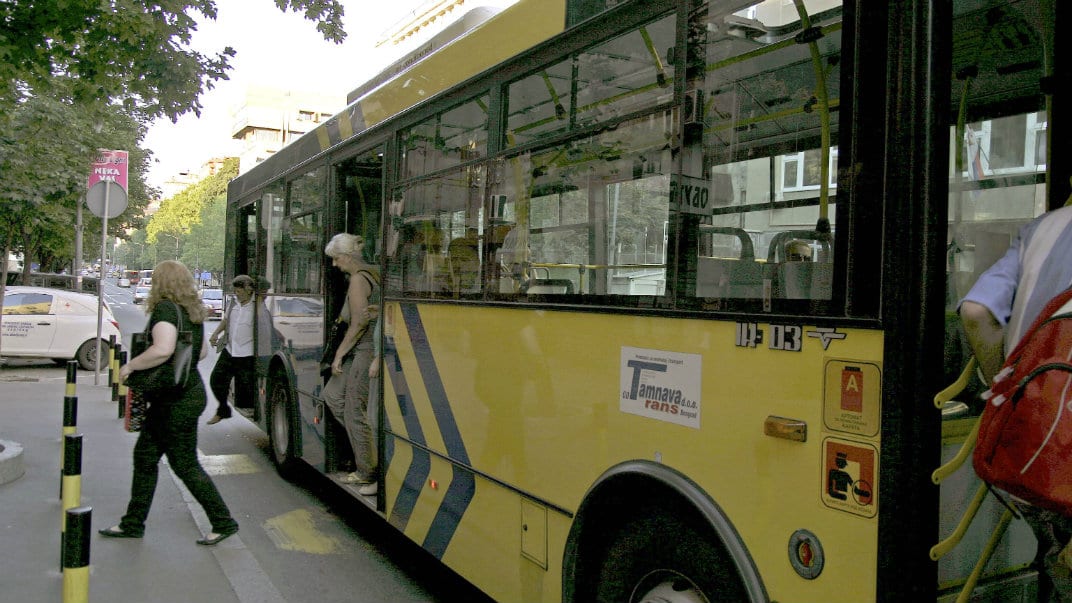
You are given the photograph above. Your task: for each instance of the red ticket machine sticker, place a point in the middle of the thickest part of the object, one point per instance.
(852, 397)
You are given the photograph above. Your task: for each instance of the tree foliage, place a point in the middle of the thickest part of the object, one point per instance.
(45, 155)
(127, 52)
(188, 227)
(78, 75)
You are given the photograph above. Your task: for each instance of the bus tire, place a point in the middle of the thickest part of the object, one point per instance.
(661, 558)
(281, 431)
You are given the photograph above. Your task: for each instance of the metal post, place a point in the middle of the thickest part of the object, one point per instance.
(100, 284)
(76, 555)
(70, 412)
(111, 354)
(121, 397)
(72, 482)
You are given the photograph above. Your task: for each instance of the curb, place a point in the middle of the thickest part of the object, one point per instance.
(11, 467)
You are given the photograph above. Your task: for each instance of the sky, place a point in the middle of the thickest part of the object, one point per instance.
(281, 50)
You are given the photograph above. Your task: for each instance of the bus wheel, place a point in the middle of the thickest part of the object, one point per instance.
(280, 427)
(661, 558)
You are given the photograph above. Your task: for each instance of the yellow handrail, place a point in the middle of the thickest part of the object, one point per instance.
(939, 550)
(962, 455)
(984, 557)
(957, 386)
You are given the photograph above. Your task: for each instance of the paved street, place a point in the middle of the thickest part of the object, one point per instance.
(299, 541)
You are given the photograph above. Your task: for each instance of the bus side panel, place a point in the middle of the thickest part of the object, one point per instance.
(520, 395)
(436, 503)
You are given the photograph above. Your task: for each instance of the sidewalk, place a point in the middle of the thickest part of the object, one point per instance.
(164, 567)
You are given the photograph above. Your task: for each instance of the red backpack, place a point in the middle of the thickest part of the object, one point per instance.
(1025, 432)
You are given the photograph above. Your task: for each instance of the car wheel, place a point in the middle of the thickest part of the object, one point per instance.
(87, 355)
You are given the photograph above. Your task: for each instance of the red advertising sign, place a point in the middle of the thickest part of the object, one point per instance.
(109, 165)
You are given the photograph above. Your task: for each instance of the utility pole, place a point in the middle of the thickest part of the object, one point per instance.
(76, 270)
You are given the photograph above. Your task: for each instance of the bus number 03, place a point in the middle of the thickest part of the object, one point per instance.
(786, 337)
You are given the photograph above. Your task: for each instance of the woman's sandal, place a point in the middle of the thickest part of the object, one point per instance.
(215, 537)
(117, 532)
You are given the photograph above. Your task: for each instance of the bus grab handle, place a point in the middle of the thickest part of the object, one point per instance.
(962, 455)
(957, 386)
(943, 547)
(984, 557)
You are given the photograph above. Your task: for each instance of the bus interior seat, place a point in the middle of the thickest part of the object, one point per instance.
(547, 286)
(800, 279)
(804, 280)
(463, 263)
(725, 277)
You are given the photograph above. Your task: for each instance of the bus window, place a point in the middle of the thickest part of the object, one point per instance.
(434, 242)
(590, 218)
(435, 231)
(763, 156)
(298, 249)
(453, 137)
(359, 186)
(602, 83)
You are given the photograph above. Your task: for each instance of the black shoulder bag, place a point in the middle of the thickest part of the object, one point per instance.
(170, 375)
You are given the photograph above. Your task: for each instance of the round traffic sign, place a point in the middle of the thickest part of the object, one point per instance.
(117, 198)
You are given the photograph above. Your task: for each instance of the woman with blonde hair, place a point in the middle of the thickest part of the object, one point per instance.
(170, 426)
(347, 391)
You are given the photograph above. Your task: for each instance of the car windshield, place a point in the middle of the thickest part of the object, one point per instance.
(212, 294)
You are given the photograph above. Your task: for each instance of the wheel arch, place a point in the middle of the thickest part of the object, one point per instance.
(643, 486)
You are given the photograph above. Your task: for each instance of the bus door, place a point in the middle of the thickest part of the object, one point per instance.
(356, 200)
(999, 181)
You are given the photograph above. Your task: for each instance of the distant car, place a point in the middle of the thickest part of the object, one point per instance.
(141, 293)
(213, 300)
(124, 282)
(57, 324)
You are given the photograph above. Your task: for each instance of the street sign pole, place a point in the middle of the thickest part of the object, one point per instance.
(109, 172)
(108, 184)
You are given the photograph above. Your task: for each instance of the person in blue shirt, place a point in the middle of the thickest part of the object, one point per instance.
(1002, 304)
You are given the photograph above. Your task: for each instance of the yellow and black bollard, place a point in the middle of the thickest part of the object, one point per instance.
(76, 555)
(113, 371)
(111, 361)
(70, 411)
(72, 480)
(121, 389)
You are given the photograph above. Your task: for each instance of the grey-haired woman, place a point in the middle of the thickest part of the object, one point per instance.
(347, 391)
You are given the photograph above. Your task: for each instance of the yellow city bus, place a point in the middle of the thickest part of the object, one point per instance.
(669, 292)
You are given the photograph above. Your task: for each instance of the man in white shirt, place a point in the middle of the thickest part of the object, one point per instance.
(237, 359)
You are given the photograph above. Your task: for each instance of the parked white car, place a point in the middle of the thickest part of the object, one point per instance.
(53, 323)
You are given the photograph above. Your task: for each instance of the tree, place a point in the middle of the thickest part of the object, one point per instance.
(126, 52)
(204, 246)
(189, 225)
(45, 154)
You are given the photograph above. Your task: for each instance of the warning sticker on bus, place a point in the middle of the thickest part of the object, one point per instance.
(850, 477)
(661, 385)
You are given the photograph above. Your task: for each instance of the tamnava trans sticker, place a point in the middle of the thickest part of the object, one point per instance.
(661, 385)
